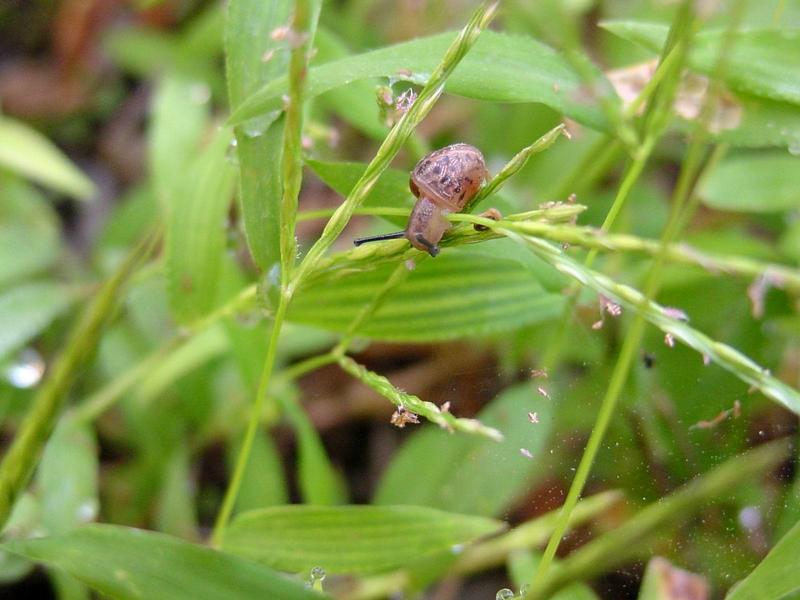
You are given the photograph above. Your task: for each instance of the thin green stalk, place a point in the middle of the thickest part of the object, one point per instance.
(630, 539)
(292, 161)
(395, 139)
(23, 455)
(253, 423)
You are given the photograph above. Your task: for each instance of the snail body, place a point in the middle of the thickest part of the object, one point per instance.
(444, 181)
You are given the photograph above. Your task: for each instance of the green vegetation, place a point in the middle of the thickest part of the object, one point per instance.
(207, 392)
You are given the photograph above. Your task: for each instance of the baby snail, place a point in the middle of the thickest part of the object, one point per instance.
(444, 181)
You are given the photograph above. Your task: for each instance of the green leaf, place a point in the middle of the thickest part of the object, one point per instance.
(263, 483)
(391, 189)
(196, 232)
(355, 102)
(776, 576)
(762, 62)
(458, 294)
(258, 142)
(177, 127)
(499, 68)
(764, 122)
(349, 539)
(467, 474)
(319, 482)
(26, 310)
(66, 587)
(24, 521)
(764, 182)
(26, 221)
(133, 564)
(68, 477)
(27, 152)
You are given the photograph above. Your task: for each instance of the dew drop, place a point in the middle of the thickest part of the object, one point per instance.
(504, 594)
(524, 589)
(315, 578)
(794, 147)
(750, 518)
(199, 92)
(87, 510)
(270, 288)
(231, 155)
(27, 370)
(257, 126)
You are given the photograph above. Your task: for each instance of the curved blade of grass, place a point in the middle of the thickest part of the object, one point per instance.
(502, 68)
(483, 555)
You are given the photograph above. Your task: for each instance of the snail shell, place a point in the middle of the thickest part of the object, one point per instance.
(444, 181)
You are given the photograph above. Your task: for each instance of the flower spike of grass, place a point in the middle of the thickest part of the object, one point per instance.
(412, 404)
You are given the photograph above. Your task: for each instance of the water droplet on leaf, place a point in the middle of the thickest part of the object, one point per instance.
(27, 370)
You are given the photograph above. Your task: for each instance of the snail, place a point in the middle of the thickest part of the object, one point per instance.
(444, 181)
